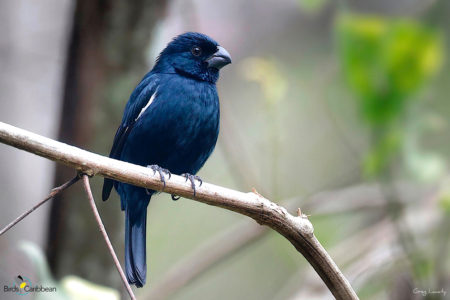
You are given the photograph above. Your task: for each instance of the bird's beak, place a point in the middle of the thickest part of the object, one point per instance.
(219, 59)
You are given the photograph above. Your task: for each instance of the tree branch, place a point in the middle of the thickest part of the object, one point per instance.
(87, 189)
(232, 240)
(52, 194)
(297, 229)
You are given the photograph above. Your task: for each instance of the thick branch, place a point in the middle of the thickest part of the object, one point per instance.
(297, 229)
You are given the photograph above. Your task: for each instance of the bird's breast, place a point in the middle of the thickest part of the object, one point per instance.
(180, 128)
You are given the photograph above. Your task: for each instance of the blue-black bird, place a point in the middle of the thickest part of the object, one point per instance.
(170, 123)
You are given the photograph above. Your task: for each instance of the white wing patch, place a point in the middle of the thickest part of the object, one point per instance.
(148, 104)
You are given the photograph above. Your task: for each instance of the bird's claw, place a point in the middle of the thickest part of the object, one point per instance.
(175, 197)
(161, 172)
(192, 179)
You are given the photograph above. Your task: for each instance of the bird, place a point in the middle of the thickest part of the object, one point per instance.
(171, 125)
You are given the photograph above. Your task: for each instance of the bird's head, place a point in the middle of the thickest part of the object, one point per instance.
(193, 55)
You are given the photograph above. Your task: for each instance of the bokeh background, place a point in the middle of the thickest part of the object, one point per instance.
(338, 107)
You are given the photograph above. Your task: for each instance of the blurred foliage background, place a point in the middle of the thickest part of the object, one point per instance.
(338, 107)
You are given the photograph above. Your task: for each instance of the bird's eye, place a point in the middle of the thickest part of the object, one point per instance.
(196, 51)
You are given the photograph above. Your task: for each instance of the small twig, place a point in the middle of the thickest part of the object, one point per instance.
(52, 194)
(87, 188)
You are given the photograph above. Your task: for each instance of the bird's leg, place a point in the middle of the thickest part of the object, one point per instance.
(161, 172)
(192, 179)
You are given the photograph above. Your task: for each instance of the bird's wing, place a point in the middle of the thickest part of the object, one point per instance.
(141, 98)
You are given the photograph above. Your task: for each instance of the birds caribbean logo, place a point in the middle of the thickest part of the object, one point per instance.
(23, 283)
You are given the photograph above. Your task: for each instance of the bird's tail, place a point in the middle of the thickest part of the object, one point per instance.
(107, 187)
(135, 240)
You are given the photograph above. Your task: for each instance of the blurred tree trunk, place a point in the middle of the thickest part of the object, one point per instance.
(33, 43)
(106, 58)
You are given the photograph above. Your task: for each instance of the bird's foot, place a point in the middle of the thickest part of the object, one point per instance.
(192, 179)
(161, 172)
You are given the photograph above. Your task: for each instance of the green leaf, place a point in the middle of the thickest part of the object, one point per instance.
(382, 153)
(385, 61)
(444, 202)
